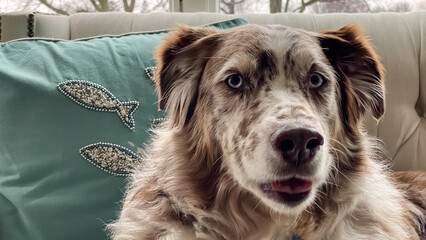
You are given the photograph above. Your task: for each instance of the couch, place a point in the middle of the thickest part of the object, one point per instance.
(399, 38)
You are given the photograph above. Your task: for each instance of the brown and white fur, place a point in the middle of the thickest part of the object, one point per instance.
(214, 170)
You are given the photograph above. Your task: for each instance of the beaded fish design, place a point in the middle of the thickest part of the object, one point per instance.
(157, 123)
(111, 158)
(150, 72)
(96, 97)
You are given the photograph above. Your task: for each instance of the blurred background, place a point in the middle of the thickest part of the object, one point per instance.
(67, 7)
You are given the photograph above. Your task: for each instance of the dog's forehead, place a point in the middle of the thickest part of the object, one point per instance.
(270, 51)
(280, 44)
(277, 37)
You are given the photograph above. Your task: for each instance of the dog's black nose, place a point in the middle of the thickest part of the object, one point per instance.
(297, 145)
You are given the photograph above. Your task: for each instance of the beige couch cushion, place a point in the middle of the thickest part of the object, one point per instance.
(92, 24)
(15, 25)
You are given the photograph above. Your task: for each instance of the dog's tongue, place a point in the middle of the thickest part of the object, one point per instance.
(292, 186)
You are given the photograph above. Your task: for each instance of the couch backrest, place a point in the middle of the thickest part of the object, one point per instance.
(399, 39)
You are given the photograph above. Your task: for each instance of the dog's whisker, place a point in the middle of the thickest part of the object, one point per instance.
(334, 183)
(316, 204)
(260, 200)
(321, 193)
(296, 219)
(341, 144)
(337, 151)
(217, 160)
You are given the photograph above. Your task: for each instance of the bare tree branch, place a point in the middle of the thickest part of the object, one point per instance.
(275, 6)
(368, 6)
(128, 8)
(97, 8)
(224, 10)
(304, 4)
(103, 5)
(132, 5)
(230, 5)
(50, 6)
(159, 4)
(286, 5)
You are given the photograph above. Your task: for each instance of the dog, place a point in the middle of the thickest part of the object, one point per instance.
(265, 141)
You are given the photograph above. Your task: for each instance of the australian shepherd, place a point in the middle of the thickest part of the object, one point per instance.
(265, 141)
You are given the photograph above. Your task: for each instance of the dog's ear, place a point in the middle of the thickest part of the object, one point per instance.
(360, 73)
(181, 60)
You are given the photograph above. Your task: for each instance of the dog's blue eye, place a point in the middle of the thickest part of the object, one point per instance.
(234, 81)
(316, 80)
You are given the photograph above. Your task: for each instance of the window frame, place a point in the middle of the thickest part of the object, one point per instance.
(194, 6)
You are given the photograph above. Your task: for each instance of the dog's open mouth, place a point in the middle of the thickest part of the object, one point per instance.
(291, 192)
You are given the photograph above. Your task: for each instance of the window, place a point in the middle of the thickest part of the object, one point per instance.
(67, 7)
(319, 6)
(224, 6)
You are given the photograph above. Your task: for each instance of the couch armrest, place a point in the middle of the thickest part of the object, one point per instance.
(15, 25)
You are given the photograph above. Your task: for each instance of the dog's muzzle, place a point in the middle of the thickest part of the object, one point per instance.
(298, 146)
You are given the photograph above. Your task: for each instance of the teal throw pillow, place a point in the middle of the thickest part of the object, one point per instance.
(73, 115)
